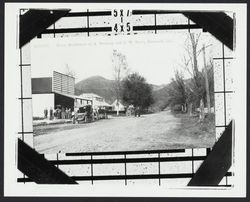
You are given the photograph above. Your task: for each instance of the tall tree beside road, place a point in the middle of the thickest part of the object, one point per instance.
(196, 88)
(137, 91)
(177, 91)
(120, 67)
(199, 88)
(206, 80)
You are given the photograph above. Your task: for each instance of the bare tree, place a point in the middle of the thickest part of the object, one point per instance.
(194, 42)
(206, 81)
(196, 90)
(120, 68)
(199, 87)
(69, 71)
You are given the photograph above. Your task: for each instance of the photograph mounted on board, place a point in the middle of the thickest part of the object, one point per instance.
(123, 93)
(121, 96)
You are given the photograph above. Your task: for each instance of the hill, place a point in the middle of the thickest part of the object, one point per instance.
(160, 98)
(97, 85)
(104, 87)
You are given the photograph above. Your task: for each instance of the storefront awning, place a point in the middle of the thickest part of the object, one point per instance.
(72, 96)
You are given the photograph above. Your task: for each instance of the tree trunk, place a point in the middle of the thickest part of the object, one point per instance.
(206, 81)
(194, 49)
(190, 109)
(117, 111)
(202, 114)
(185, 107)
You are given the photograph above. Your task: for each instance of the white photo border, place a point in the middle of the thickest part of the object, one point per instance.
(12, 188)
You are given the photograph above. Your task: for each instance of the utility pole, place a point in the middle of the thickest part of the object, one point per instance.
(206, 81)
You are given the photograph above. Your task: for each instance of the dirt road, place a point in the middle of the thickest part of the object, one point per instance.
(149, 132)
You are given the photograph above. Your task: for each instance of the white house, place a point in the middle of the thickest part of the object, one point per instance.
(97, 100)
(117, 106)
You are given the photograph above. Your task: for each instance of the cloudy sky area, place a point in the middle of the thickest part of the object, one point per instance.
(154, 56)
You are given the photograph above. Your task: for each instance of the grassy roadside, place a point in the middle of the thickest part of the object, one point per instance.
(194, 126)
(204, 131)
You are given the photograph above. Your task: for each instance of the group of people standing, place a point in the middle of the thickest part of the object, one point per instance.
(48, 113)
(58, 113)
(131, 110)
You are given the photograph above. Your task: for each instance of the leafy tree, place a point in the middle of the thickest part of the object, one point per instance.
(177, 92)
(137, 91)
(161, 99)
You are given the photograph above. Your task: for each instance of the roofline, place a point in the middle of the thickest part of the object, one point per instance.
(63, 74)
(92, 94)
(71, 96)
(45, 77)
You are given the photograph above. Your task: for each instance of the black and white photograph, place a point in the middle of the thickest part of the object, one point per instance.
(118, 95)
(125, 97)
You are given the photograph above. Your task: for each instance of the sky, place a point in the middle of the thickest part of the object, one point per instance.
(153, 56)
